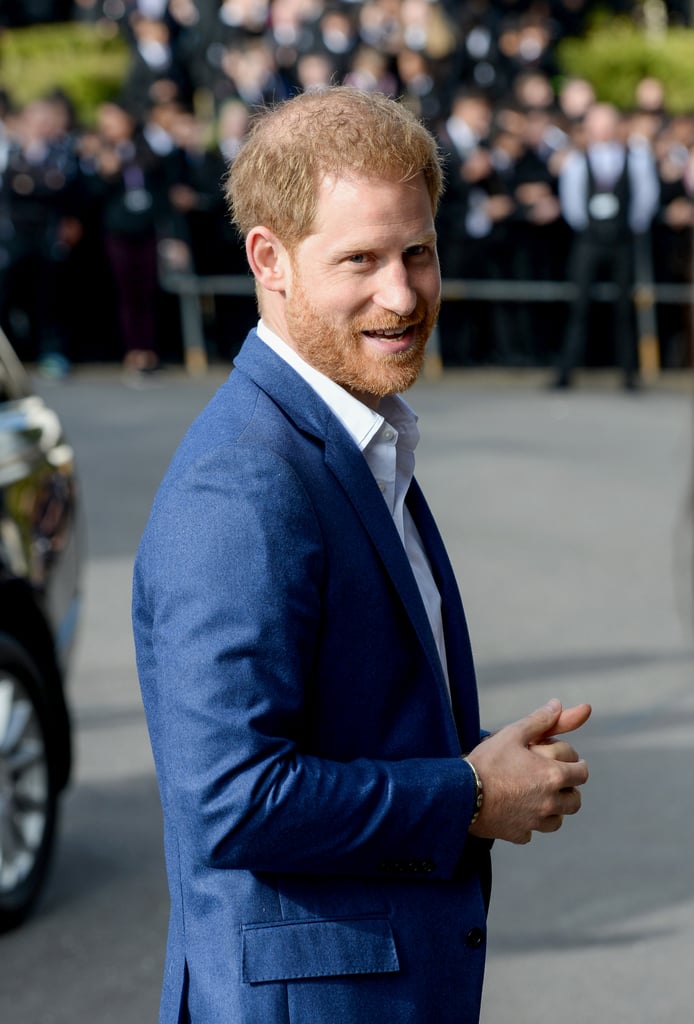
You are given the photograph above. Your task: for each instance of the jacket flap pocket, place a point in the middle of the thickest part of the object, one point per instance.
(318, 948)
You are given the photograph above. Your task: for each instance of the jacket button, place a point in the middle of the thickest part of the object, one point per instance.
(474, 938)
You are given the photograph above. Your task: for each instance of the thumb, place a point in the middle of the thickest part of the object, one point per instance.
(538, 723)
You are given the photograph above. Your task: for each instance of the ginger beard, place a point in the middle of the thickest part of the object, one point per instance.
(342, 353)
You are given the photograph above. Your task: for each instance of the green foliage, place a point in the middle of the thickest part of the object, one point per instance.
(616, 54)
(88, 62)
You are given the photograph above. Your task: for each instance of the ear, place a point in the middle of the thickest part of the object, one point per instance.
(267, 258)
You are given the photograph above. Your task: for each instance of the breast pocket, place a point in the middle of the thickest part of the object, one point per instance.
(292, 950)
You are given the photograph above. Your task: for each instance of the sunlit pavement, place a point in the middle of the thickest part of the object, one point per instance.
(566, 517)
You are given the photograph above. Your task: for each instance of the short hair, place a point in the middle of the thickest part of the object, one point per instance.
(337, 132)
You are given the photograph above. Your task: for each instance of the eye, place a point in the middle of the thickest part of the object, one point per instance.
(358, 257)
(416, 250)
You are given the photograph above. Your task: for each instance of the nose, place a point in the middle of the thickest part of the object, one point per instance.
(394, 290)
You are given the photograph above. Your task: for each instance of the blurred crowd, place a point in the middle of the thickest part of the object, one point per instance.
(91, 215)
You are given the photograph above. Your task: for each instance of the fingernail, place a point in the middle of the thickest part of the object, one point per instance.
(553, 705)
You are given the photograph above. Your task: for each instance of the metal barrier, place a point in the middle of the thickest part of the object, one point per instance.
(190, 289)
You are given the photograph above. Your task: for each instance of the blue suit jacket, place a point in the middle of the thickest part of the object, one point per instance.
(308, 757)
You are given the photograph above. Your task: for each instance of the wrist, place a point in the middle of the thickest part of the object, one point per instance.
(479, 792)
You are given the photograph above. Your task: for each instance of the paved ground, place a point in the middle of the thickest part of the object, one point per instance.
(566, 517)
(570, 534)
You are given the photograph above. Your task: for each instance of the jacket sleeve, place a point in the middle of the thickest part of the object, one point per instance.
(227, 615)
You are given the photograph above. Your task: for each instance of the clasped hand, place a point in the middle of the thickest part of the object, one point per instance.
(530, 778)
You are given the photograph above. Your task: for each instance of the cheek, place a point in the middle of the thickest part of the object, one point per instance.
(349, 297)
(431, 285)
(327, 298)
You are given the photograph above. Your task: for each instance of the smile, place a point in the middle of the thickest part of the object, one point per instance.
(391, 341)
(394, 334)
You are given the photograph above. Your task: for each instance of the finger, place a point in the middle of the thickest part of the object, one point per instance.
(523, 839)
(552, 823)
(540, 723)
(573, 774)
(572, 718)
(558, 750)
(571, 801)
(567, 802)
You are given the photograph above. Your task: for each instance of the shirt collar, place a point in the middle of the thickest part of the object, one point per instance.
(360, 422)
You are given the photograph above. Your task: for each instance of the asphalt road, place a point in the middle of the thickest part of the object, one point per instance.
(566, 518)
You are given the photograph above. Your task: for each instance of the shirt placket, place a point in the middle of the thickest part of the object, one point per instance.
(386, 464)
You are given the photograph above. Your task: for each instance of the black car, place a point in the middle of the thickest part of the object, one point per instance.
(40, 559)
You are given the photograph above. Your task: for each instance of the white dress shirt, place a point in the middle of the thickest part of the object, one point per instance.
(387, 440)
(607, 161)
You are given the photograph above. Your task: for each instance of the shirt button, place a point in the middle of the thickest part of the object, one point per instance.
(388, 435)
(474, 938)
(381, 486)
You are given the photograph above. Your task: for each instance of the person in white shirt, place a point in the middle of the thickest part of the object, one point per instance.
(609, 193)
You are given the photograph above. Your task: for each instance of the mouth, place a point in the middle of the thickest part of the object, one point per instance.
(392, 339)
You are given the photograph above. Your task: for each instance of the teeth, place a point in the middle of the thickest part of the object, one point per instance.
(388, 334)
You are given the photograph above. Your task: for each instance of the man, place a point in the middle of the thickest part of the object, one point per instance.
(301, 644)
(608, 193)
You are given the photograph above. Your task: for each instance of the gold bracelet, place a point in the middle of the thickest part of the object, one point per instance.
(479, 792)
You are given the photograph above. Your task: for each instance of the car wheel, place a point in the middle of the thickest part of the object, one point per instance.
(28, 798)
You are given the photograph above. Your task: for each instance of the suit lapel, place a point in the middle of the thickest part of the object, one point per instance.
(461, 669)
(348, 465)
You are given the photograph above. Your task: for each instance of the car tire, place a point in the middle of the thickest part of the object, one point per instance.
(28, 793)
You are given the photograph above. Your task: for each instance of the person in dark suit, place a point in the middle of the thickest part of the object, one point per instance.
(128, 189)
(329, 798)
(193, 173)
(608, 191)
(473, 222)
(156, 73)
(41, 209)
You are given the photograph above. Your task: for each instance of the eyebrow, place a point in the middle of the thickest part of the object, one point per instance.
(430, 238)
